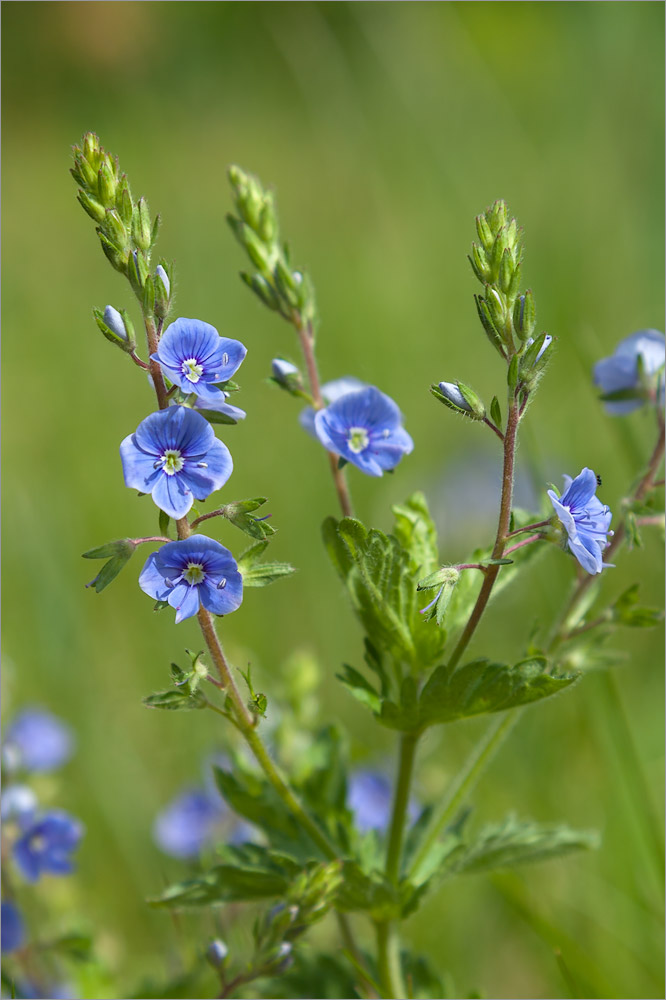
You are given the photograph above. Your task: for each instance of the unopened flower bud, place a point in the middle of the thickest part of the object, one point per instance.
(286, 374)
(459, 397)
(107, 184)
(217, 952)
(91, 206)
(116, 327)
(484, 231)
(524, 315)
(164, 278)
(114, 321)
(142, 230)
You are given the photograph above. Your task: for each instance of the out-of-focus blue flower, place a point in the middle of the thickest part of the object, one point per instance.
(584, 518)
(194, 357)
(175, 456)
(331, 392)
(221, 406)
(197, 570)
(18, 803)
(47, 844)
(188, 823)
(370, 798)
(365, 428)
(38, 741)
(12, 927)
(621, 372)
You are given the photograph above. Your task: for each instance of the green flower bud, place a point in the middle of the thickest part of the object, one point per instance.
(162, 285)
(480, 264)
(117, 256)
(496, 308)
(141, 226)
(267, 225)
(116, 327)
(506, 271)
(107, 184)
(92, 207)
(524, 315)
(262, 289)
(484, 231)
(124, 204)
(114, 229)
(499, 246)
(487, 323)
(496, 215)
(137, 272)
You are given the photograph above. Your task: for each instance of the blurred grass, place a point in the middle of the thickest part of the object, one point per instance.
(384, 129)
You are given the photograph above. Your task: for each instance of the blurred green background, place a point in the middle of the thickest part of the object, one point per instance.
(384, 129)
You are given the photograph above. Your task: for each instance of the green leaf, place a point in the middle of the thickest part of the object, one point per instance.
(416, 533)
(164, 521)
(121, 551)
(372, 893)
(625, 610)
(175, 700)
(360, 688)
(224, 884)
(75, 945)
(379, 576)
(516, 842)
(239, 513)
(258, 574)
(482, 686)
(496, 413)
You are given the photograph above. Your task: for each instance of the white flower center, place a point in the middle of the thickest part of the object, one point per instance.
(194, 573)
(191, 369)
(172, 461)
(358, 439)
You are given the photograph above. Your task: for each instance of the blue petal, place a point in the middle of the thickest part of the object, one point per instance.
(186, 338)
(587, 551)
(26, 858)
(139, 469)
(188, 603)
(650, 344)
(152, 581)
(580, 491)
(222, 601)
(172, 496)
(226, 360)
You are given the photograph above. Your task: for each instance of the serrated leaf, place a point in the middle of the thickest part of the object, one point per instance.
(176, 700)
(416, 532)
(261, 574)
(224, 884)
(481, 686)
(378, 574)
(625, 610)
(515, 842)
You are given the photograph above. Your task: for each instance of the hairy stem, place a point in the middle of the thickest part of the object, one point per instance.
(306, 337)
(510, 438)
(152, 337)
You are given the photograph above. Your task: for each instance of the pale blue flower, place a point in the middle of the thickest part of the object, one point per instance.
(195, 357)
(330, 393)
(46, 845)
(193, 572)
(584, 518)
(175, 456)
(621, 373)
(36, 740)
(365, 428)
(370, 798)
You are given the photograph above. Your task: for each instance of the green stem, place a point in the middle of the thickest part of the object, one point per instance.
(464, 782)
(388, 961)
(408, 744)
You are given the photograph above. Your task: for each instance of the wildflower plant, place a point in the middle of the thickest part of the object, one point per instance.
(329, 839)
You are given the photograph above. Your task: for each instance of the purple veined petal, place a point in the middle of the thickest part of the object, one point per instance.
(152, 581)
(215, 472)
(564, 514)
(172, 496)
(587, 551)
(387, 454)
(186, 338)
(367, 408)
(220, 405)
(367, 462)
(139, 469)
(188, 605)
(228, 356)
(158, 431)
(223, 600)
(195, 435)
(581, 490)
(207, 394)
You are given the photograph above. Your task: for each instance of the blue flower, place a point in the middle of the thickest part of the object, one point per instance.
(195, 571)
(365, 428)
(584, 518)
(12, 928)
(220, 405)
(370, 798)
(47, 844)
(621, 374)
(175, 456)
(194, 357)
(37, 741)
(188, 823)
(331, 392)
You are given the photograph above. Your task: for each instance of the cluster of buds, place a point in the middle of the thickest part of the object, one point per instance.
(283, 289)
(125, 231)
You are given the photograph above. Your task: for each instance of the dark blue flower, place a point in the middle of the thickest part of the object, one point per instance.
(365, 428)
(584, 518)
(175, 456)
(621, 372)
(331, 392)
(37, 741)
(47, 844)
(194, 357)
(195, 571)
(12, 927)
(370, 798)
(188, 823)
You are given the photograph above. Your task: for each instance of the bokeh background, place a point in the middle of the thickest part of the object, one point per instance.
(384, 129)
